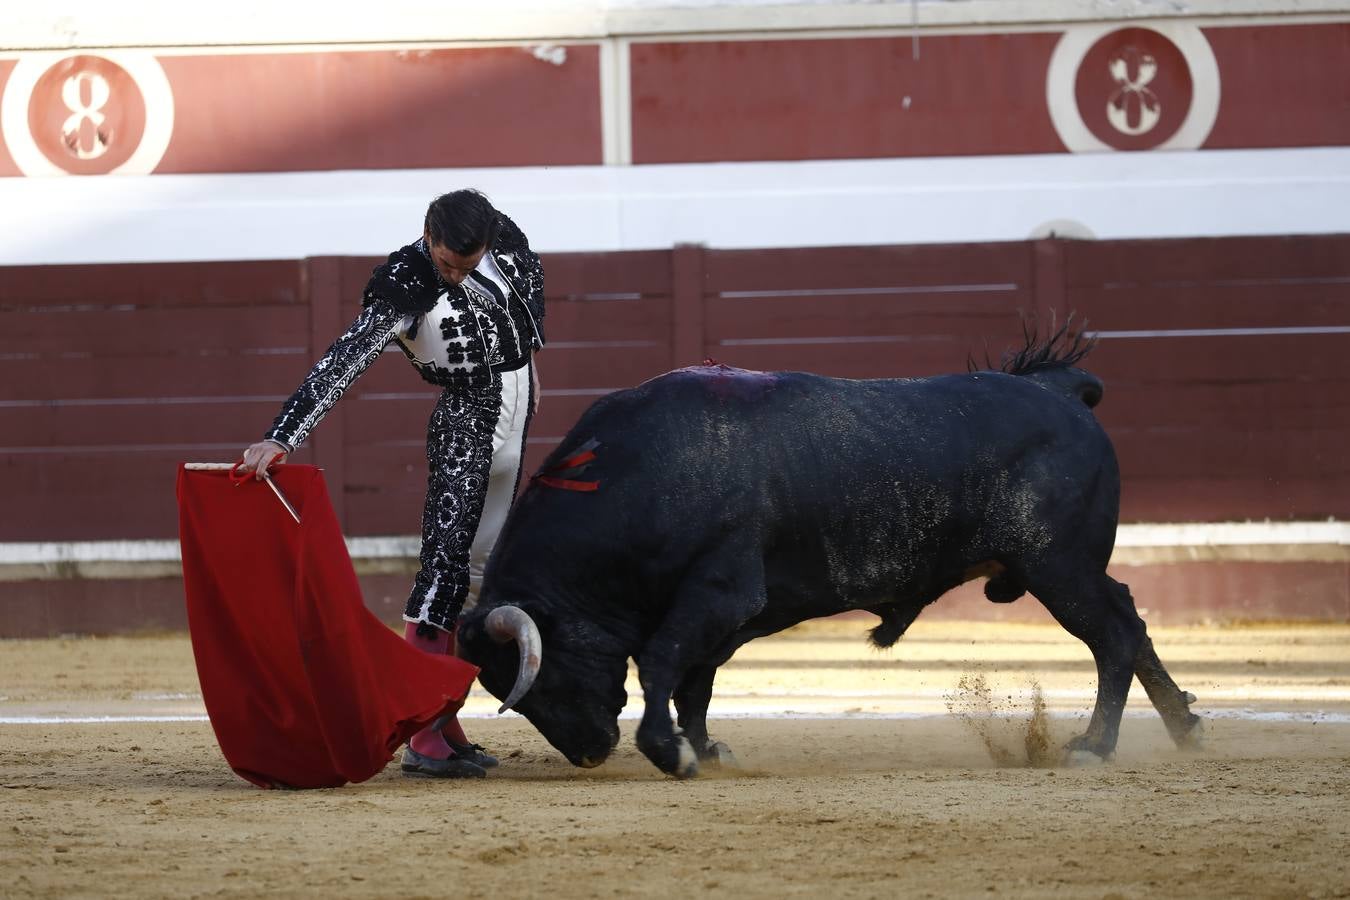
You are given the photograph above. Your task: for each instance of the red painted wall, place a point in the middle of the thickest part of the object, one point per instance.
(302, 111)
(841, 98)
(1283, 87)
(844, 98)
(383, 110)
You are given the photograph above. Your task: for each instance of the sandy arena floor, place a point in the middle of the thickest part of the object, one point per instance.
(856, 781)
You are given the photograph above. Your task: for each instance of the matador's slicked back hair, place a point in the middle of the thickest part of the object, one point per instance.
(463, 222)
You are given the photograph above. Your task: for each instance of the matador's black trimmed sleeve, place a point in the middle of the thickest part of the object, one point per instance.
(523, 268)
(349, 356)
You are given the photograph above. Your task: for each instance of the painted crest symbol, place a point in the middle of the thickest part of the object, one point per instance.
(86, 95)
(1153, 87)
(1133, 108)
(87, 114)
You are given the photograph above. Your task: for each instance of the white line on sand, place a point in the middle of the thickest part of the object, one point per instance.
(732, 712)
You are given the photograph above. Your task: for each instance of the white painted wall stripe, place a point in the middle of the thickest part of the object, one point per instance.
(1223, 332)
(1223, 534)
(623, 94)
(96, 720)
(613, 101)
(758, 711)
(899, 289)
(143, 401)
(1232, 534)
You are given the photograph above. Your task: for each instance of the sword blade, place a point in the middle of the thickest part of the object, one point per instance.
(282, 497)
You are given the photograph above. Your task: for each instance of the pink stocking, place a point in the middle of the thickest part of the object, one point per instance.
(450, 727)
(429, 741)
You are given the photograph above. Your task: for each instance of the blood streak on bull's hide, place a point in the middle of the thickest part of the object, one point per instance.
(726, 381)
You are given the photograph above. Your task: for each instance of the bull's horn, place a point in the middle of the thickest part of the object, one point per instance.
(511, 623)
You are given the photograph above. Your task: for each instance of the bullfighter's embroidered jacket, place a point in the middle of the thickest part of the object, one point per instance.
(460, 338)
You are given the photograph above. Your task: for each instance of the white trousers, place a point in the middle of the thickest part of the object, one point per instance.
(508, 451)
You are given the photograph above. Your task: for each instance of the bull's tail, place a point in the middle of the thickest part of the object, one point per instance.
(1052, 361)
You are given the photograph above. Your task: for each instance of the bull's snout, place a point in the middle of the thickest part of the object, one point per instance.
(597, 751)
(589, 757)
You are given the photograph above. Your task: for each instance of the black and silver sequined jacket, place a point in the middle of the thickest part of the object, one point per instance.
(407, 301)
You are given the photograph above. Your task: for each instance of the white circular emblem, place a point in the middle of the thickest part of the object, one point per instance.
(1132, 81)
(85, 96)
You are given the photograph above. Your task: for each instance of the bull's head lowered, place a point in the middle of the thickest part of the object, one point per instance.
(572, 694)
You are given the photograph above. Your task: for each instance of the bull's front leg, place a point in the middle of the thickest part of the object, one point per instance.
(715, 600)
(657, 737)
(718, 595)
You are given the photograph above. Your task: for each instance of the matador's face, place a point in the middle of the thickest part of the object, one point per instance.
(454, 268)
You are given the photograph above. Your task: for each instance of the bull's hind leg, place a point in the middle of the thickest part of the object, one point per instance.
(1171, 702)
(1090, 607)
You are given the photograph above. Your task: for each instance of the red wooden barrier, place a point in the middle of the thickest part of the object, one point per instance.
(1224, 363)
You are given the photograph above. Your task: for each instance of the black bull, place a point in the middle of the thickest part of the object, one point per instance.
(730, 504)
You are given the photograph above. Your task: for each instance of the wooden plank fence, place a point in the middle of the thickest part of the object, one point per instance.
(1224, 362)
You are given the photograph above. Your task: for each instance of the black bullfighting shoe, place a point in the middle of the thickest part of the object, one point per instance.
(416, 765)
(473, 753)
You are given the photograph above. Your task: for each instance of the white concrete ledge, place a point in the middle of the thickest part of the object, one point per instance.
(1233, 534)
(1279, 542)
(1143, 544)
(44, 560)
(818, 203)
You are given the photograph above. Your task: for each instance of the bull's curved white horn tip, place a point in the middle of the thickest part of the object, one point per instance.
(502, 709)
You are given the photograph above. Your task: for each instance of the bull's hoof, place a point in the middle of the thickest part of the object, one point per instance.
(686, 765)
(673, 755)
(1082, 759)
(1192, 738)
(1082, 752)
(719, 754)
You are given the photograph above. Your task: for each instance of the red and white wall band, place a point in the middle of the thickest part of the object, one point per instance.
(731, 140)
(1156, 85)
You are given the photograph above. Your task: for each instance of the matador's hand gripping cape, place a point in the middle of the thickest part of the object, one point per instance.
(304, 686)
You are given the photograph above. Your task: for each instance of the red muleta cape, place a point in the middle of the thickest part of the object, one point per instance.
(304, 686)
